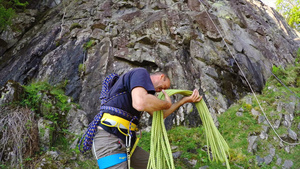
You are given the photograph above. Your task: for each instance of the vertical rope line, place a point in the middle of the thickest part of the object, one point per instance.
(246, 78)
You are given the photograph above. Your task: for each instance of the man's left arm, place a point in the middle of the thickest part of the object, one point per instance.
(195, 97)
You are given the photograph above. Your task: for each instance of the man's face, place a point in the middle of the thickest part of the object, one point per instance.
(160, 82)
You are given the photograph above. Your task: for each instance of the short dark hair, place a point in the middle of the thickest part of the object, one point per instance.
(160, 73)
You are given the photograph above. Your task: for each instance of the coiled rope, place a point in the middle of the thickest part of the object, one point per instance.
(160, 151)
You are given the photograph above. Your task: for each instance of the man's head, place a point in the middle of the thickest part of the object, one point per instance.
(160, 81)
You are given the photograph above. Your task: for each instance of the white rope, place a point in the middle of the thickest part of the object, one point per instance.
(246, 78)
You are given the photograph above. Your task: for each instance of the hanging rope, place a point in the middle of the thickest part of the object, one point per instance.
(246, 78)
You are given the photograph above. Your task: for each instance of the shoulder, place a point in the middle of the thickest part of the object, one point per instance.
(139, 72)
(140, 69)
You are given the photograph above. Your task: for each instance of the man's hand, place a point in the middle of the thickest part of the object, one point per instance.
(167, 97)
(195, 97)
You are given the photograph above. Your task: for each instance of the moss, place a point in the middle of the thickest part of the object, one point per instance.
(81, 67)
(89, 44)
(75, 25)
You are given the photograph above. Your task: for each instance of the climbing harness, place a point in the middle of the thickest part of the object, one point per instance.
(111, 121)
(247, 79)
(118, 122)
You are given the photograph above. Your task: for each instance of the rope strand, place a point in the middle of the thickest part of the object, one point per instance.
(247, 79)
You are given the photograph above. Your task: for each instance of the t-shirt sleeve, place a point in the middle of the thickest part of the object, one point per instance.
(141, 78)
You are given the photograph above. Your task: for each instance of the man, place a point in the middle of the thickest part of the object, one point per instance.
(132, 94)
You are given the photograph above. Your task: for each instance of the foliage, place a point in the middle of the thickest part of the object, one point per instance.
(8, 12)
(297, 60)
(48, 101)
(75, 25)
(81, 67)
(89, 44)
(290, 10)
(6, 16)
(289, 76)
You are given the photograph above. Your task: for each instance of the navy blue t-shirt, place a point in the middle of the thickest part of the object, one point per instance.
(138, 77)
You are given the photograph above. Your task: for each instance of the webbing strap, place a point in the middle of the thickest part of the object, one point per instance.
(111, 160)
(134, 146)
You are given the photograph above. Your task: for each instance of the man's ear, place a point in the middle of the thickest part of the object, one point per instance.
(162, 77)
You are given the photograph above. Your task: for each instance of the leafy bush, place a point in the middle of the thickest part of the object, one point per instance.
(7, 12)
(89, 44)
(47, 101)
(6, 16)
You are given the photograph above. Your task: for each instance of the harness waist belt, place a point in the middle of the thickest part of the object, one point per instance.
(116, 121)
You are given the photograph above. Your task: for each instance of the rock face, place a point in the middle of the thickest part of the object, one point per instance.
(215, 46)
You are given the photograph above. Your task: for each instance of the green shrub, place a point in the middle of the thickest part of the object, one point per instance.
(6, 16)
(89, 44)
(55, 108)
(8, 11)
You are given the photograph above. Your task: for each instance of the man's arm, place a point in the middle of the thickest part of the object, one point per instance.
(142, 101)
(195, 97)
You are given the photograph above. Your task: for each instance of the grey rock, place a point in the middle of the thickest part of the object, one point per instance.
(261, 119)
(292, 134)
(281, 144)
(268, 159)
(239, 114)
(272, 152)
(248, 100)
(279, 106)
(265, 128)
(287, 164)
(277, 124)
(177, 154)
(290, 107)
(241, 110)
(53, 154)
(259, 160)
(252, 146)
(287, 120)
(263, 135)
(204, 167)
(45, 133)
(254, 112)
(12, 91)
(286, 123)
(193, 162)
(278, 161)
(287, 149)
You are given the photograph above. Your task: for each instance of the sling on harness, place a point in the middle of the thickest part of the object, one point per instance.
(111, 160)
(115, 121)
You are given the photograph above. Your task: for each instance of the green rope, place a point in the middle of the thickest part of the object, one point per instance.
(160, 150)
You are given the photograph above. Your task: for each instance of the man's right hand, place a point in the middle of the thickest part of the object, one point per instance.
(167, 97)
